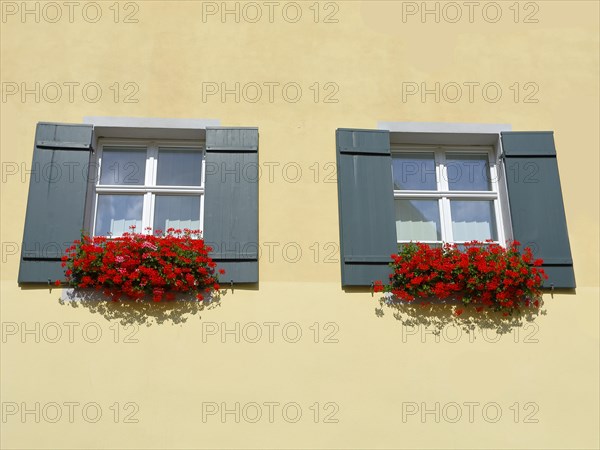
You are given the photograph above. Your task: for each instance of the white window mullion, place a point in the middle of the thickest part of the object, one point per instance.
(151, 164)
(202, 185)
(203, 175)
(149, 198)
(99, 168)
(202, 215)
(95, 196)
(447, 235)
(95, 212)
(440, 157)
(499, 227)
(497, 206)
(444, 202)
(147, 212)
(487, 195)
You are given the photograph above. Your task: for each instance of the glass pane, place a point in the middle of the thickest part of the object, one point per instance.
(123, 166)
(116, 213)
(468, 172)
(473, 220)
(418, 220)
(177, 211)
(179, 167)
(414, 171)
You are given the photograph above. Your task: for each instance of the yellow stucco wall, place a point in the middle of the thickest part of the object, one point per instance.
(369, 372)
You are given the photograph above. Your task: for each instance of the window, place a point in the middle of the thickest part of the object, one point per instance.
(446, 194)
(157, 173)
(157, 184)
(441, 182)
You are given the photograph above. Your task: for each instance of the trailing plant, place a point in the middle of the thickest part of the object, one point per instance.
(135, 265)
(481, 274)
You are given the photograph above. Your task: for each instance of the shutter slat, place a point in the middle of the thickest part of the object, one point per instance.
(368, 259)
(63, 145)
(528, 143)
(366, 205)
(56, 201)
(231, 201)
(375, 142)
(233, 139)
(536, 202)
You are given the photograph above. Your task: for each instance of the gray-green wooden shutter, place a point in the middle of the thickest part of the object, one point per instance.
(536, 202)
(56, 202)
(365, 205)
(231, 202)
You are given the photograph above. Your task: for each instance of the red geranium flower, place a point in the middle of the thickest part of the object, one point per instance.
(135, 265)
(482, 274)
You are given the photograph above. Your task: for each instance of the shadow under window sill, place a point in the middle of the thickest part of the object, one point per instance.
(141, 312)
(436, 314)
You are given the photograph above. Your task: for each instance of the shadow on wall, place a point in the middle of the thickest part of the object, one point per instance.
(438, 315)
(144, 312)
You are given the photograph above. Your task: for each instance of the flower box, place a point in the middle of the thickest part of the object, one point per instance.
(480, 274)
(135, 266)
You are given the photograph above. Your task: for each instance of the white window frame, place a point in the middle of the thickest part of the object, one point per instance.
(149, 189)
(443, 194)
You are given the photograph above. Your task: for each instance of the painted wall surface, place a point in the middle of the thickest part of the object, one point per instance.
(359, 379)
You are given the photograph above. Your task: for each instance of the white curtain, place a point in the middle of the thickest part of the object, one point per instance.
(472, 220)
(120, 226)
(469, 231)
(416, 220)
(182, 224)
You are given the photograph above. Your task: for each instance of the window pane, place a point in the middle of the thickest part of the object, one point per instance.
(177, 211)
(116, 213)
(468, 172)
(179, 167)
(123, 166)
(418, 220)
(473, 220)
(414, 171)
